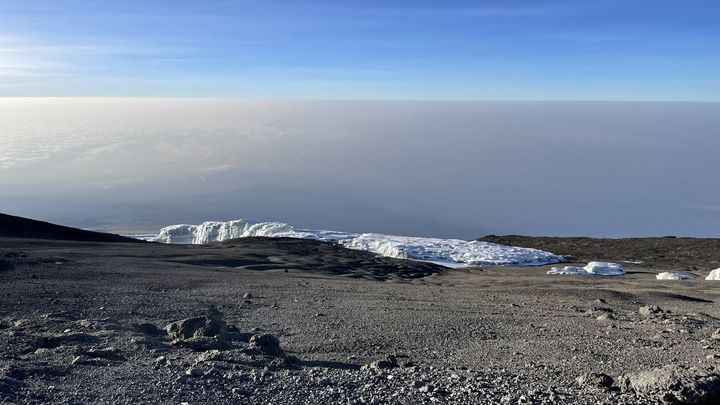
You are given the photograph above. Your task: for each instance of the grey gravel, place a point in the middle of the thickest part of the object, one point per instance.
(392, 331)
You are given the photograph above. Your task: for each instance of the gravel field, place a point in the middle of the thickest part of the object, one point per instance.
(288, 321)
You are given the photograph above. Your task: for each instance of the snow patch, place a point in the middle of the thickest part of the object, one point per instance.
(592, 269)
(448, 252)
(674, 276)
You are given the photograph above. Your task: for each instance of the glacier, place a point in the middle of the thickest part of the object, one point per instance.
(446, 252)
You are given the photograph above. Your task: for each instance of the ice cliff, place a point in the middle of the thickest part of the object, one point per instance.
(449, 252)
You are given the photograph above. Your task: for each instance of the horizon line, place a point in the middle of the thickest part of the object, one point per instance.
(268, 99)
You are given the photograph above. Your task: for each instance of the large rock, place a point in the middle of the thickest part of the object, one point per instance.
(673, 384)
(266, 344)
(650, 310)
(199, 327)
(200, 334)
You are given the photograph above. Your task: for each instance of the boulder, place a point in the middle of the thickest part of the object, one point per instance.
(199, 327)
(267, 344)
(673, 384)
(649, 310)
(200, 334)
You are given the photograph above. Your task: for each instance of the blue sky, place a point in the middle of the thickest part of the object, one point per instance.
(487, 50)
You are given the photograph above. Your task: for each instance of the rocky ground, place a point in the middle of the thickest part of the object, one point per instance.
(291, 321)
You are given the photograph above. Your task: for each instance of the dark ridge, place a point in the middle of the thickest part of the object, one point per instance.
(18, 227)
(665, 253)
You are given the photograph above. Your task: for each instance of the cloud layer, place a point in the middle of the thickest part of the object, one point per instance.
(456, 169)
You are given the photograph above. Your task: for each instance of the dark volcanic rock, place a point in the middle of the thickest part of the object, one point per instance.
(8, 386)
(202, 326)
(388, 362)
(268, 345)
(675, 385)
(6, 265)
(200, 334)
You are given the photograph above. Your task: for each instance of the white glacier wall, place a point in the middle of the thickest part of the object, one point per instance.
(448, 252)
(470, 253)
(214, 231)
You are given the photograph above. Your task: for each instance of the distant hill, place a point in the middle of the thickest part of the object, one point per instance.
(18, 227)
(663, 253)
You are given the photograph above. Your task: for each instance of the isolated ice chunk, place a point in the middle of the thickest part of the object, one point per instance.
(714, 275)
(674, 276)
(591, 269)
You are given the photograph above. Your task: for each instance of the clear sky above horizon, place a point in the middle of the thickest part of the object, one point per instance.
(371, 49)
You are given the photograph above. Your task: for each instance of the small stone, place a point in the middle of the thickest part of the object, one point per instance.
(428, 388)
(108, 353)
(386, 363)
(162, 361)
(194, 372)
